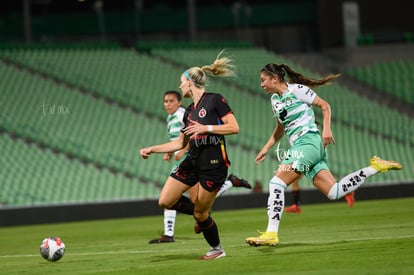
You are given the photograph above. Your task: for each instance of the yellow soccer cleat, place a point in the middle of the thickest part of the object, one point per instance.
(382, 165)
(265, 238)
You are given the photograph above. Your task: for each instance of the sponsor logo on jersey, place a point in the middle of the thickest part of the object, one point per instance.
(202, 113)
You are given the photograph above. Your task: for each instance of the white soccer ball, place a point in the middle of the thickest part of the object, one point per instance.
(52, 249)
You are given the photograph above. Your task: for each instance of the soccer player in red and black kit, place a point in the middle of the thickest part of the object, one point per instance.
(206, 121)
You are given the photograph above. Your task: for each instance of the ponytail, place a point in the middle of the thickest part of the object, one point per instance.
(222, 66)
(295, 77)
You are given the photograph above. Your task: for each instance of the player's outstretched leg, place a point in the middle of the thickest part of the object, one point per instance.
(233, 181)
(354, 180)
(238, 182)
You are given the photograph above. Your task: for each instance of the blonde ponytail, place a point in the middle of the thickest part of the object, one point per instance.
(222, 66)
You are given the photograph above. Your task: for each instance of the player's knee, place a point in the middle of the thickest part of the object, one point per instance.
(333, 193)
(200, 216)
(332, 197)
(164, 204)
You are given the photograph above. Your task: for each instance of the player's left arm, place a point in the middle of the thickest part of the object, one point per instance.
(179, 154)
(327, 135)
(229, 126)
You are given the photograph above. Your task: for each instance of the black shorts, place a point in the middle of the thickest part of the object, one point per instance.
(210, 178)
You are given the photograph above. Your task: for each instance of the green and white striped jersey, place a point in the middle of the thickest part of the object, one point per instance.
(175, 123)
(294, 110)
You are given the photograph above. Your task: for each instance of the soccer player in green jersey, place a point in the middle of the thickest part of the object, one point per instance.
(172, 105)
(292, 107)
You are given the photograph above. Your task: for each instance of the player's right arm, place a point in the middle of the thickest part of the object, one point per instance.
(276, 135)
(327, 136)
(168, 147)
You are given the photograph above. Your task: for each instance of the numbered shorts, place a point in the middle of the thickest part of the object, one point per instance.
(308, 155)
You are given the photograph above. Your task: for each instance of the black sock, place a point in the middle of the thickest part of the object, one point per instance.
(210, 232)
(296, 198)
(184, 205)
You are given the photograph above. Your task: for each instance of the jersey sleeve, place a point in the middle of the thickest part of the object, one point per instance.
(185, 118)
(222, 107)
(305, 94)
(180, 113)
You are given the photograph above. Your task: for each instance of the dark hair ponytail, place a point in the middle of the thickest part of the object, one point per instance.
(295, 77)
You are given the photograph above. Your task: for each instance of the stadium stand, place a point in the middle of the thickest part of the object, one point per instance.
(117, 74)
(75, 124)
(393, 78)
(94, 107)
(35, 176)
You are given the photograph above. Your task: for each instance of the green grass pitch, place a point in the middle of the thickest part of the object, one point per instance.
(373, 237)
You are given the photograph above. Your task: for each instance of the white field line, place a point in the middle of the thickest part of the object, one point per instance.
(192, 249)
